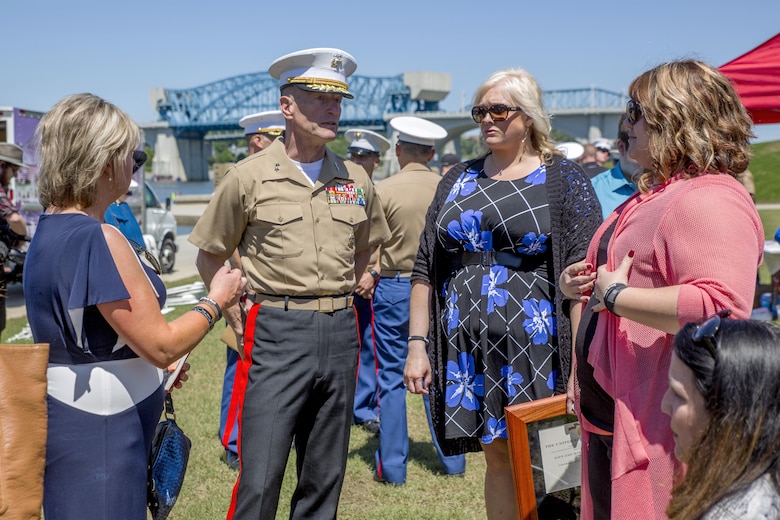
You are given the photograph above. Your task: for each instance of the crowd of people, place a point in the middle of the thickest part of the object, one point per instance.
(513, 276)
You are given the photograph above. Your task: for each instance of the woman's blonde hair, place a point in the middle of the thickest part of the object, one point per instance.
(696, 123)
(77, 139)
(522, 90)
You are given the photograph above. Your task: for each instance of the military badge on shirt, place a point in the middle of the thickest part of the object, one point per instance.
(345, 193)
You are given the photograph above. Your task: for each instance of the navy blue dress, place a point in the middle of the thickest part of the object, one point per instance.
(500, 323)
(103, 400)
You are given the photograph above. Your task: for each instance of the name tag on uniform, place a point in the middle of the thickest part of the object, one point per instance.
(345, 193)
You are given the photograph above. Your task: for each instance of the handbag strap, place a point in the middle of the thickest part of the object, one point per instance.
(169, 413)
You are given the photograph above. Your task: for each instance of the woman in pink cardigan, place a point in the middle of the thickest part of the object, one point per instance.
(686, 245)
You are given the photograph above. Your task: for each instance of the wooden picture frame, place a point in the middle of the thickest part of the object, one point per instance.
(519, 418)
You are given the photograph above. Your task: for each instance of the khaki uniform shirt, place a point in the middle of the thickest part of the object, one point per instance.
(294, 239)
(405, 198)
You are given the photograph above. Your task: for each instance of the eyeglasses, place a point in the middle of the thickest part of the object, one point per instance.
(139, 158)
(633, 111)
(706, 332)
(497, 112)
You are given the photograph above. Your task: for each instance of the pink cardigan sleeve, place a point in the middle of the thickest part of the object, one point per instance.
(711, 245)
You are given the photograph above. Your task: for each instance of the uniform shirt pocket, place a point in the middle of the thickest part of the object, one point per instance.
(280, 232)
(346, 218)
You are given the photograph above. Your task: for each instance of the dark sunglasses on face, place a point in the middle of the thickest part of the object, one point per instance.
(497, 112)
(706, 333)
(139, 158)
(633, 111)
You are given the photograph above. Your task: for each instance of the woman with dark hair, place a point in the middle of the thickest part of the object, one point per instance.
(498, 233)
(686, 245)
(724, 404)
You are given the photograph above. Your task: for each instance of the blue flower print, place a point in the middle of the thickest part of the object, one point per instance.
(552, 379)
(463, 386)
(540, 323)
(532, 244)
(496, 430)
(453, 313)
(495, 296)
(468, 231)
(465, 185)
(512, 379)
(537, 177)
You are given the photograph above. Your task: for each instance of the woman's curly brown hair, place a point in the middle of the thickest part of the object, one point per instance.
(696, 122)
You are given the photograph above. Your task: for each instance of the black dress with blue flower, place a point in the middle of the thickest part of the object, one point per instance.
(501, 344)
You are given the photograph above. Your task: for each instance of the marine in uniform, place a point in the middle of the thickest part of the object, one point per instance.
(304, 222)
(366, 149)
(260, 130)
(405, 199)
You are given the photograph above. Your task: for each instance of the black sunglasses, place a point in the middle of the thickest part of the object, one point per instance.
(139, 158)
(706, 332)
(633, 111)
(497, 112)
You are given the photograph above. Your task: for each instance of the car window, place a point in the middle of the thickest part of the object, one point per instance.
(150, 199)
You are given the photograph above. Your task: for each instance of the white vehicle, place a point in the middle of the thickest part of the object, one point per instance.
(158, 227)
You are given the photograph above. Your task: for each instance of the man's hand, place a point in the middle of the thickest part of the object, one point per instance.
(365, 286)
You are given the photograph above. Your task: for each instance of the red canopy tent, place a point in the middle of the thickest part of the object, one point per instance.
(756, 77)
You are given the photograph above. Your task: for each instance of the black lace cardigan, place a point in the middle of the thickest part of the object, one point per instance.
(574, 213)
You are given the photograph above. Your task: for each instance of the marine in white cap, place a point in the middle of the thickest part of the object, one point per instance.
(366, 148)
(405, 198)
(261, 129)
(304, 222)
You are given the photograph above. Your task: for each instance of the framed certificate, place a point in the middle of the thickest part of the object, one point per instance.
(546, 454)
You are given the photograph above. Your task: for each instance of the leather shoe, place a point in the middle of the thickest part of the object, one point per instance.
(231, 459)
(371, 426)
(379, 479)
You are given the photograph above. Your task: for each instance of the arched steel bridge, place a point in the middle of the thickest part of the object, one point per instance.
(218, 106)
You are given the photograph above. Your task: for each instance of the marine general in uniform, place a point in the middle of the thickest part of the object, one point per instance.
(303, 221)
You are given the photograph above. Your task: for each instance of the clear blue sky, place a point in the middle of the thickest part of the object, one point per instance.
(121, 50)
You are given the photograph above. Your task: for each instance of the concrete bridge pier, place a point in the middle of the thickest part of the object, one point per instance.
(179, 157)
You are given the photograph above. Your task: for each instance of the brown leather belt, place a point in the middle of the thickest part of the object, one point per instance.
(313, 303)
(392, 273)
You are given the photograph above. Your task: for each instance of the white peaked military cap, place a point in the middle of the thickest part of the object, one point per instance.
(602, 144)
(315, 70)
(417, 130)
(366, 140)
(270, 122)
(571, 150)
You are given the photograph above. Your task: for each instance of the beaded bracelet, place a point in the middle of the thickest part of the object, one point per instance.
(421, 338)
(205, 314)
(214, 306)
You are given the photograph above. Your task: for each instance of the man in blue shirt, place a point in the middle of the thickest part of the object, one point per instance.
(614, 186)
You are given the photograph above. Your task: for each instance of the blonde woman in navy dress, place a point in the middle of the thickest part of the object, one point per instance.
(498, 233)
(89, 296)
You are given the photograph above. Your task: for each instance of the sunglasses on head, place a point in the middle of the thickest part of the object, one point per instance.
(497, 112)
(633, 111)
(139, 158)
(705, 334)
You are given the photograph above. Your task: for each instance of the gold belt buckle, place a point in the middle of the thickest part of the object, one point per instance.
(326, 308)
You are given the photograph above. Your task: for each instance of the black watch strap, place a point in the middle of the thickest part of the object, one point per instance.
(611, 294)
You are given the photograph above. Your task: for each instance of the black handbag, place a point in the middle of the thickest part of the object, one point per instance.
(167, 464)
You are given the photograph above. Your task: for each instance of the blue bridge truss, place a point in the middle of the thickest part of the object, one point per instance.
(219, 105)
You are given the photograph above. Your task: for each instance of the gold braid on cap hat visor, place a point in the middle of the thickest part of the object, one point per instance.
(276, 132)
(321, 84)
